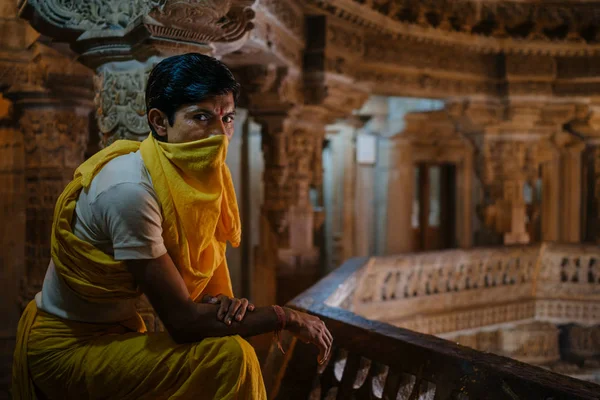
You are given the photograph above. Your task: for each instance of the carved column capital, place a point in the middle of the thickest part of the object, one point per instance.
(103, 31)
(45, 76)
(120, 100)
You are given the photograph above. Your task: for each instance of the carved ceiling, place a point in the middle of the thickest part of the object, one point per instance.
(423, 48)
(541, 27)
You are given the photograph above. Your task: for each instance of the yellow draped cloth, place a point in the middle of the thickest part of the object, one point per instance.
(68, 359)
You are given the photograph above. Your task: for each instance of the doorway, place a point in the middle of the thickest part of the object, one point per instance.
(434, 207)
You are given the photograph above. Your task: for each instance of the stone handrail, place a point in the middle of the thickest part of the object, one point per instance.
(456, 290)
(373, 359)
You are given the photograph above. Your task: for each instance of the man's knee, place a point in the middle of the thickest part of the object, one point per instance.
(239, 349)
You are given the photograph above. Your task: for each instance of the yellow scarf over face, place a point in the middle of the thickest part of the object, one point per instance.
(199, 209)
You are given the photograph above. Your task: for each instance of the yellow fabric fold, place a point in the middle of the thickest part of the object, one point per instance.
(199, 209)
(75, 360)
(22, 385)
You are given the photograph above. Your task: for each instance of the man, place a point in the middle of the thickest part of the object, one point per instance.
(152, 218)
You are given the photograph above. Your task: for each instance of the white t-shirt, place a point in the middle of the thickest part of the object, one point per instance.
(119, 214)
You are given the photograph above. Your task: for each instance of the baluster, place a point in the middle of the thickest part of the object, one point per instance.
(392, 385)
(416, 389)
(365, 391)
(328, 380)
(444, 391)
(427, 390)
(350, 370)
(399, 386)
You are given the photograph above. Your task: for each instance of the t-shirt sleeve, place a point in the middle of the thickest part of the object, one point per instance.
(131, 217)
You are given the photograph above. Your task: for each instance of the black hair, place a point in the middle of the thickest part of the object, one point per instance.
(186, 79)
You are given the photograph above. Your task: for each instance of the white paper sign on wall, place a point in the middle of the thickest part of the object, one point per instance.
(366, 149)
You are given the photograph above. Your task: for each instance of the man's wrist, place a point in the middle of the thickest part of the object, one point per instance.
(292, 322)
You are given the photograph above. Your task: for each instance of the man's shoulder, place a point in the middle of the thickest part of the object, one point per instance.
(124, 173)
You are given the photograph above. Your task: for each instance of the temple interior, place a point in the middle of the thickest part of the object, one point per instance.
(422, 174)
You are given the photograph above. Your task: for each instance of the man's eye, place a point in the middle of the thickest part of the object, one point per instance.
(201, 117)
(228, 119)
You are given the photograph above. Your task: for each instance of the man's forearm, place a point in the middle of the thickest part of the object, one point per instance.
(204, 323)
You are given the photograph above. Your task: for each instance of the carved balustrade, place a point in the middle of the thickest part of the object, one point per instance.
(456, 290)
(372, 359)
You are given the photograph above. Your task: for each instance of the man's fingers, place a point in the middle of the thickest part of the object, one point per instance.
(241, 312)
(329, 335)
(323, 350)
(225, 303)
(251, 307)
(234, 306)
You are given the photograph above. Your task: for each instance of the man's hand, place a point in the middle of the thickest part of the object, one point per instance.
(230, 308)
(310, 329)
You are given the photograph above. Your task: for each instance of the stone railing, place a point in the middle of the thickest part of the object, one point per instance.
(373, 359)
(458, 290)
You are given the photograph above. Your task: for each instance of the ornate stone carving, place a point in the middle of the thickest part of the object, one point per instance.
(485, 26)
(534, 343)
(405, 83)
(408, 54)
(55, 140)
(20, 73)
(277, 186)
(93, 14)
(342, 39)
(203, 20)
(447, 292)
(287, 13)
(120, 102)
(582, 341)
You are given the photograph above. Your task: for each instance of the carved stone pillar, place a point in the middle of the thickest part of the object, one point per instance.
(585, 126)
(400, 196)
(55, 139)
(12, 237)
(592, 215)
(505, 167)
(51, 110)
(514, 210)
(120, 100)
(570, 212)
(515, 148)
(274, 210)
(299, 260)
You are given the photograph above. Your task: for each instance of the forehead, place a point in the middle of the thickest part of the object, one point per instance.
(221, 103)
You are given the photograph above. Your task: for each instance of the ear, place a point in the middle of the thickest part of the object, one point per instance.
(159, 121)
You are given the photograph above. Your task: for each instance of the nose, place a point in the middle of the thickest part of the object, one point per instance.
(218, 128)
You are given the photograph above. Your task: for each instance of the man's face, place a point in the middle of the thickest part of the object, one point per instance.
(210, 117)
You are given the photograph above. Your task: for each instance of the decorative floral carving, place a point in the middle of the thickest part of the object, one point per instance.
(93, 14)
(120, 103)
(203, 20)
